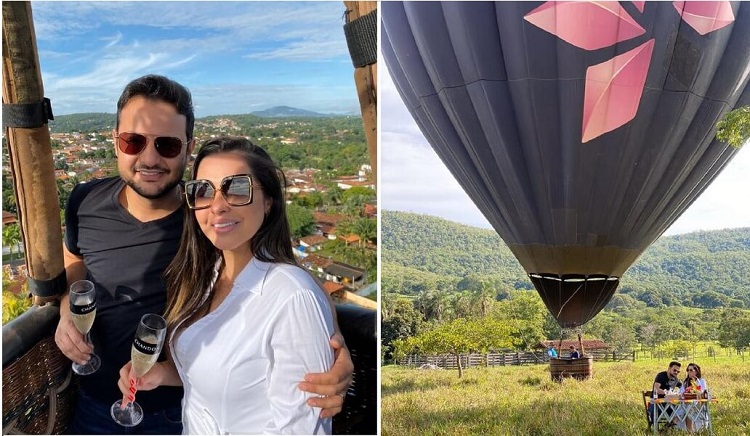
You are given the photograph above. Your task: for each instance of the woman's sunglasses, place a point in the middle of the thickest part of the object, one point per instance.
(134, 143)
(237, 191)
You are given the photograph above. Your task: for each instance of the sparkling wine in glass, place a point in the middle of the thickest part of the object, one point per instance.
(82, 298)
(149, 339)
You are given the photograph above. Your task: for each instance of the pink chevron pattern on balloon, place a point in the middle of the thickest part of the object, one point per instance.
(705, 17)
(614, 88)
(588, 25)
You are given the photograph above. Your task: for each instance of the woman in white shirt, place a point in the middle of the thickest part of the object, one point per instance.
(694, 384)
(246, 323)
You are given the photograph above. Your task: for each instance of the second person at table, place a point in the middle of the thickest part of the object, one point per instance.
(693, 384)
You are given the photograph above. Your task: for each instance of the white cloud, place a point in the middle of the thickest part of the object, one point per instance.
(113, 40)
(414, 179)
(227, 26)
(97, 89)
(302, 51)
(723, 204)
(89, 51)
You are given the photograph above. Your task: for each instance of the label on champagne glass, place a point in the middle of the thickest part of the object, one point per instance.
(144, 347)
(82, 310)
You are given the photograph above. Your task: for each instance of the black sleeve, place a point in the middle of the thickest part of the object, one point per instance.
(663, 379)
(77, 195)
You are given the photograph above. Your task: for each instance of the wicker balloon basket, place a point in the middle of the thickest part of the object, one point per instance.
(38, 391)
(580, 369)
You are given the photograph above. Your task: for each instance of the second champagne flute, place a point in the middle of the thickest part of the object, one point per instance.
(149, 339)
(82, 298)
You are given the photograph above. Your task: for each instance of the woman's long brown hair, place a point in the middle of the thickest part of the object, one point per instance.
(191, 272)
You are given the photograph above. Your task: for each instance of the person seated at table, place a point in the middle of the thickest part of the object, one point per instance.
(665, 381)
(551, 352)
(693, 384)
(574, 354)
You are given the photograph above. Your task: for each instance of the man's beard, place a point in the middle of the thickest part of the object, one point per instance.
(161, 193)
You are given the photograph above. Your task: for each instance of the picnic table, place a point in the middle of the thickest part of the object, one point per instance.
(680, 408)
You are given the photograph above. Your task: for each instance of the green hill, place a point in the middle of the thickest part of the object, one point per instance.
(84, 123)
(703, 269)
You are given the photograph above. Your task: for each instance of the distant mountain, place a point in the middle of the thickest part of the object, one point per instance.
(287, 112)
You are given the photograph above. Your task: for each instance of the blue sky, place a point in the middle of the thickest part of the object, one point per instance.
(235, 57)
(414, 179)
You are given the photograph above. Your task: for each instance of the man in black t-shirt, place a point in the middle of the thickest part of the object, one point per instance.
(665, 381)
(121, 233)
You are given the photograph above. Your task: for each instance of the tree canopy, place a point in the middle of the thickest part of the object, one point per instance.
(734, 128)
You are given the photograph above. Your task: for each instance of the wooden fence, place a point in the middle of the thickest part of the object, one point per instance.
(448, 361)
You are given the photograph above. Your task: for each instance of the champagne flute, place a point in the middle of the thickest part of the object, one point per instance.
(149, 339)
(82, 298)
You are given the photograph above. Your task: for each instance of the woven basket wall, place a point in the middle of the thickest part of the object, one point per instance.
(28, 385)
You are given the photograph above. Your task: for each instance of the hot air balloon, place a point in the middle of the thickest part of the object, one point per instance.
(581, 130)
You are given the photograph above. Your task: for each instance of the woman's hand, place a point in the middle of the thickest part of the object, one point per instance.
(129, 384)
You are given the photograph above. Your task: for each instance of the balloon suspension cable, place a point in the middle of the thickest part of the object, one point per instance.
(562, 306)
(580, 342)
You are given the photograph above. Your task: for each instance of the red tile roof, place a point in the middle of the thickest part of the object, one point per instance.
(370, 209)
(326, 218)
(588, 344)
(331, 287)
(350, 239)
(315, 261)
(9, 218)
(313, 240)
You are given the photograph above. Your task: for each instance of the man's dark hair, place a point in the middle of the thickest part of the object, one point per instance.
(673, 363)
(154, 87)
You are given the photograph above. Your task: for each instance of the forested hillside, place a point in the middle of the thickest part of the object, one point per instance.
(84, 123)
(702, 269)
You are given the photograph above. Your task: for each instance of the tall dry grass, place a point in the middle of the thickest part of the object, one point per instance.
(524, 401)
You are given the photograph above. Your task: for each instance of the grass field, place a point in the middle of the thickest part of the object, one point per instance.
(523, 400)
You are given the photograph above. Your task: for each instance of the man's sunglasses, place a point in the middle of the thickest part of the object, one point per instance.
(134, 143)
(237, 191)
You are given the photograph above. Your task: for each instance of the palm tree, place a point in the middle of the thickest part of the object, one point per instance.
(433, 304)
(481, 295)
(366, 229)
(353, 205)
(11, 237)
(460, 303)
(333, 195)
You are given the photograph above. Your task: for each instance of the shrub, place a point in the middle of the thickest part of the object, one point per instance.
(14, 305)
